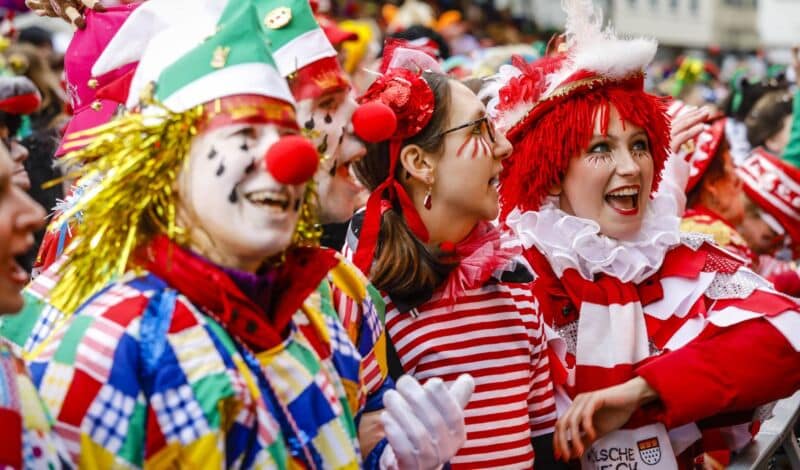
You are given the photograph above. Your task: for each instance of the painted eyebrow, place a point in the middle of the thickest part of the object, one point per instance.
(599, 137)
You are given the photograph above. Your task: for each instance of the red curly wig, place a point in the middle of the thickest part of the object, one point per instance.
(560, 128)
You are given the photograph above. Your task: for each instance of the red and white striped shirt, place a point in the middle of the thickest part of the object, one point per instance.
(496, 334)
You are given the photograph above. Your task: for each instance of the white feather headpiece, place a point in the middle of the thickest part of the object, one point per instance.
(589, 47)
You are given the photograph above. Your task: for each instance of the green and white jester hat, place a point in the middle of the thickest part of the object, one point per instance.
(325, 101)
(207, 154)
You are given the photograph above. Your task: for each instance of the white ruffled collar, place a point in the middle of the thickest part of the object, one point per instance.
(572, 242)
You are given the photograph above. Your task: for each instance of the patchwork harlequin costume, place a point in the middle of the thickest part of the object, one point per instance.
(148, 354)
(27, 431)
(675, 310)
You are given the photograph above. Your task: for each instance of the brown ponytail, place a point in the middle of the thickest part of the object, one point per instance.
(403, 266)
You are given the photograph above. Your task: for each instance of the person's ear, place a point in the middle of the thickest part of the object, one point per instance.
(417, 163)
(555, 190)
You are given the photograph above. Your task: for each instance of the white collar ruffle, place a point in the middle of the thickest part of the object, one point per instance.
(572, 242)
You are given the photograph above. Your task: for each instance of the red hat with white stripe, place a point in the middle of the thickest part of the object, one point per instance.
(548, 107)
(303, 53)
(704, 146)
(775, 186)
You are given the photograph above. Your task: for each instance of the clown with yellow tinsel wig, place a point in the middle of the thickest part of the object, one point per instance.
(193, 323)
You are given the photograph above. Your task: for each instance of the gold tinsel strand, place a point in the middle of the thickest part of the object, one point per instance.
(308, 231)
(138, 159)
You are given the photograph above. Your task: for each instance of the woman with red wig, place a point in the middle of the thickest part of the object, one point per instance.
(666, 336)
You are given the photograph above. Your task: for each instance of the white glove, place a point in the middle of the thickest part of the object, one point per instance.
(424, 424)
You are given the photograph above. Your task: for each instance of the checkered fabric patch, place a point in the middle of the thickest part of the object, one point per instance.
(196, 353)
(328, 391)
(55, 381)
(179, 415)
(95, 353)
(107, 420)
(340, 341)
(371, 317)
(48, 317)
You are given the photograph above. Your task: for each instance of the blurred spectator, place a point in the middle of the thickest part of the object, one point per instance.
(25, 59)
(453, 29)
(743, 95)
(770, 121)
(39, 38)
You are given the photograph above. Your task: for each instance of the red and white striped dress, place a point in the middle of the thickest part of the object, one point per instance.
(709, 335)
(496, 334)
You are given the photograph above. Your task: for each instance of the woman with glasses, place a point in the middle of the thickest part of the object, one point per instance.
(459, 298)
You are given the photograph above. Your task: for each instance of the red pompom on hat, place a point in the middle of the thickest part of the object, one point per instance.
(399, 98)
(408, 96)
(292, 160)
(548, 107)
(374, 122)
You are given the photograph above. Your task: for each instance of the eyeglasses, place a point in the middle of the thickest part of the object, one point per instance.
(483, 122)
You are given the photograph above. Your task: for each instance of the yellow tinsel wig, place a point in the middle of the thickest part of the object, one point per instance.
(136, 160)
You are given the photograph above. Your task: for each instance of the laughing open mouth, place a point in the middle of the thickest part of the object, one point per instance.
(624, 200)
(274, 199)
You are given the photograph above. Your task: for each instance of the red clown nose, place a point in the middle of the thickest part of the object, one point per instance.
(374, 122)
(292, 160)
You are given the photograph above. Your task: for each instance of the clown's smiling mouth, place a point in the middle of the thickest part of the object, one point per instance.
(273, 199)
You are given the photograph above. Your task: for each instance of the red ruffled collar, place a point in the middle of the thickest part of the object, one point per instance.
(208, 287)
(479, 255)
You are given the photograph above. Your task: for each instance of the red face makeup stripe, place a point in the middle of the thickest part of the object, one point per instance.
(475, 146)
(487, 149)
(461, 149)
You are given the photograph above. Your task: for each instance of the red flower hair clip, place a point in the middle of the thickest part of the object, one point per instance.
(408, 96)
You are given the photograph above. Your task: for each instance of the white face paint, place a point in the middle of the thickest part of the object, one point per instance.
(328, 121)
(239, 215)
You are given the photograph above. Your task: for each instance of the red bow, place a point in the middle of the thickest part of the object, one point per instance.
(412, 101)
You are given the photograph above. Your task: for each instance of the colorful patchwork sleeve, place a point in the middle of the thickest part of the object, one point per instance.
(26, 329)
(140, 378)
(361, 309)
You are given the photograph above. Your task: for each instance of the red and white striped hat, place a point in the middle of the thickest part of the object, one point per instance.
(775, 186)
(704, 147)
